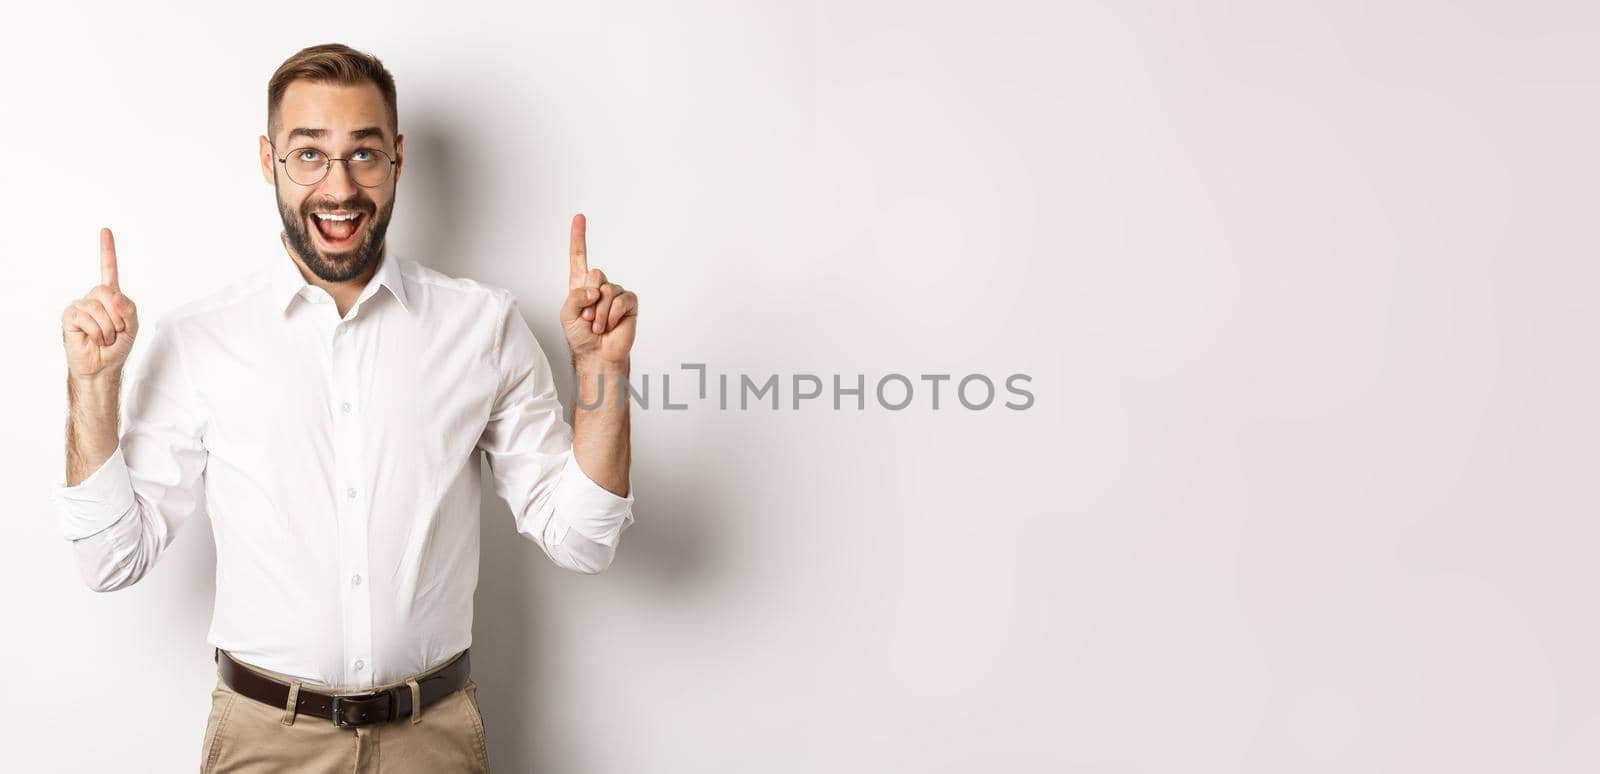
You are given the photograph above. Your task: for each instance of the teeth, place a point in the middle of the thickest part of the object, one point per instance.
(330, 216)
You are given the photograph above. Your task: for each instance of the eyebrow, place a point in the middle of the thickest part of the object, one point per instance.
(355, 134)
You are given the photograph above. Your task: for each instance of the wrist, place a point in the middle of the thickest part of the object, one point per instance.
(104, 384)
(591, 365)
(598, 378)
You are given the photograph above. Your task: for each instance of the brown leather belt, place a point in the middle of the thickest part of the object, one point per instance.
(345, 710)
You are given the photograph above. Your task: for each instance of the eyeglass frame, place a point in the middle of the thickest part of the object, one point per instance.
(328, 165)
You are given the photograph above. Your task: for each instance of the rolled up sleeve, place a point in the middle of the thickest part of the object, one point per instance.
(98, 501)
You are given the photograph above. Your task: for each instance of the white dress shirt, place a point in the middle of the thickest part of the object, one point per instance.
(338, 461)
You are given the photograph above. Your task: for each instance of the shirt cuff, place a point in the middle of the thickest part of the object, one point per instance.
(590, 509)
(97, 502)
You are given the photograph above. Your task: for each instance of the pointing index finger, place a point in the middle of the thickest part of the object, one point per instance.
(108, 259)
(578, 252)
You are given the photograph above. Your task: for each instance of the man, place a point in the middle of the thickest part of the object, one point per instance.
(328, 412)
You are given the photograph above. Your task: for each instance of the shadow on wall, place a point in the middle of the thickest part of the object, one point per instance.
(658, 557)
(430, 202)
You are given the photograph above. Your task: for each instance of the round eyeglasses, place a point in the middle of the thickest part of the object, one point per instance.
(368, 167)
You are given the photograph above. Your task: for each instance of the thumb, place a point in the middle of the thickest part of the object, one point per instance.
(577, 299)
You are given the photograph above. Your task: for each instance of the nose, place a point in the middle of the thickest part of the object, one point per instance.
(338, 184)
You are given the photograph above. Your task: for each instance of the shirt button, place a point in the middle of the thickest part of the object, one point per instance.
(355, 580)
(360, 665)
(345, 407)
(350, 493)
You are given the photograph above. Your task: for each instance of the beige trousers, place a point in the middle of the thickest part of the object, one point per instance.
(245, 736)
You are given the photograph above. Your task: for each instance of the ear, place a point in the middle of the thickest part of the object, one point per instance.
(266, 160)
(399, 155)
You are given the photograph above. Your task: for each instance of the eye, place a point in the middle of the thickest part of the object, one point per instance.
(308, 155)
(362, 155)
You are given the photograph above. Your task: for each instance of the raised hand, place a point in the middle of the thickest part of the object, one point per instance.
(98, 329)
(598, 317)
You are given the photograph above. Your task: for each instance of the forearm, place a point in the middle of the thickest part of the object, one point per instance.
(600, 431)
(112, 547)
(92, 406)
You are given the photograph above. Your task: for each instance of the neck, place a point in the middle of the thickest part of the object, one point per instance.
(344, 293)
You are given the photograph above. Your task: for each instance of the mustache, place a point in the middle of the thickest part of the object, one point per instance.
(353, 204)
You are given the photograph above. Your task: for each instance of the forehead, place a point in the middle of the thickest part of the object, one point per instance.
(331, 106)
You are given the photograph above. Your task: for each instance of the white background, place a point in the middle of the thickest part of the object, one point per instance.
(1307, 291)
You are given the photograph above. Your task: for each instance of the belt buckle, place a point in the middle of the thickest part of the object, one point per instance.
(338, 715)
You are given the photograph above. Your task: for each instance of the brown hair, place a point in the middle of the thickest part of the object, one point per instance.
(330, 63)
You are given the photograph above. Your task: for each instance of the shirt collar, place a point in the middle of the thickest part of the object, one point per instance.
(287, 281)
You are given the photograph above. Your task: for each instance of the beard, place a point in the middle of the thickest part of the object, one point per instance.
(341, 266)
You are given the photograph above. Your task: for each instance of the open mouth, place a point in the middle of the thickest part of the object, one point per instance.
(338, 230)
